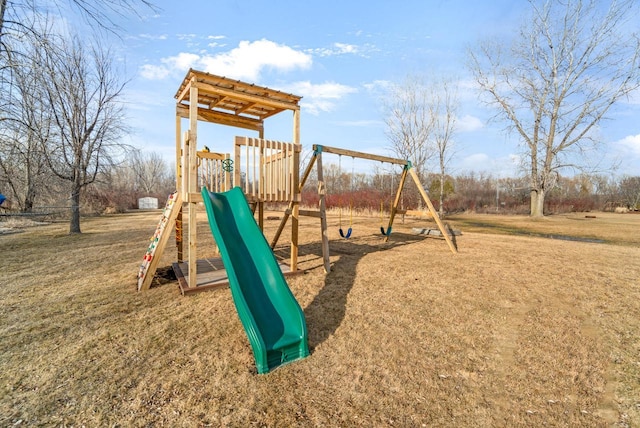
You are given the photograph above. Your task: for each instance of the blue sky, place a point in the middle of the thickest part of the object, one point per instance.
(339, 56)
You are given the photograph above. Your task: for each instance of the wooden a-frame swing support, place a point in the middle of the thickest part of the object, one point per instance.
(316, 158)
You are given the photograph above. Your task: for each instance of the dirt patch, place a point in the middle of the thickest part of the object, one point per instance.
(164, 275)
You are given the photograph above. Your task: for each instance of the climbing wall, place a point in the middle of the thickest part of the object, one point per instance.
(158, 241)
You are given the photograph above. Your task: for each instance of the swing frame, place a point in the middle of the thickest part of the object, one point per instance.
(316, 159)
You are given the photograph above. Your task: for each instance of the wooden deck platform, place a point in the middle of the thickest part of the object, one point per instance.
(211, 275)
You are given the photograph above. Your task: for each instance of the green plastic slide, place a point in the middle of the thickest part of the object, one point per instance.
(270, 314)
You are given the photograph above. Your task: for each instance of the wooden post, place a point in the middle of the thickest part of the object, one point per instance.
(179, 164)
(261, 216)
(295, 212)
(426, 198)
(323, 215)
(396, 201)
(237, 177)
(227, 176)
(261, 176)
(193, 183)
(295, 185)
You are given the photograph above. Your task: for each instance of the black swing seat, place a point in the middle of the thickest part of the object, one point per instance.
(347, 235)
(387, 232)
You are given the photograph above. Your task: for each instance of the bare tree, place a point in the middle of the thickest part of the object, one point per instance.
(629, 189)
(84, 95)
(421, 122)
(409, 121)
(25, 127)
(151, 171)
(443, 106)
(571, 61)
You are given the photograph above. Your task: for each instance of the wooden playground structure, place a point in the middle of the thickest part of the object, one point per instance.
(268, 171)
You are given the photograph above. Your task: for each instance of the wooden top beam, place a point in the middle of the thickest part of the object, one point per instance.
(359, 155)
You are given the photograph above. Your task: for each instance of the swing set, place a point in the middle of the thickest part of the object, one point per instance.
(407, 170)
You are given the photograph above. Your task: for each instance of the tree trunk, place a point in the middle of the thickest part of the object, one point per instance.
(441, 201)
(28, 200)
(74, 224)
(537, 203)
(418, 197)
(29, 194)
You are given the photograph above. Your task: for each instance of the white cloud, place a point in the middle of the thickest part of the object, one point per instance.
(216, 45)
(245, 62)
(630, 143)
(179, 63)
(378, 86)
(373, 86)
(329, 90)
(468, 123)
(336, 49)
(153, 36)
(189, 36)
(343, 49)
(250, 58)
(216, 37)
(154, 72)
(320, 97)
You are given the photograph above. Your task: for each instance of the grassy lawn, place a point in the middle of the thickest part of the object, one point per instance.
(515, 330)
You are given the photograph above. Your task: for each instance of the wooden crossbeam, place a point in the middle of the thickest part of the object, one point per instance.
(222, 118)
(244, 108)
(359, 155)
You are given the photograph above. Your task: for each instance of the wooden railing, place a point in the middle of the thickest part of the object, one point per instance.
(265, 169)
(214, 171)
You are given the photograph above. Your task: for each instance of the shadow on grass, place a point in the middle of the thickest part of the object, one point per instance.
(484, 227)
(452, 235)
(327, 310)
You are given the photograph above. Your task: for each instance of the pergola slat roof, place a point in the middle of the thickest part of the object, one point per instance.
(232, 102)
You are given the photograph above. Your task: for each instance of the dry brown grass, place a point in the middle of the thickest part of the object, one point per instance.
(512, 331)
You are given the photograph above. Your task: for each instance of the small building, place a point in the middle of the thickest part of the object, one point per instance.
(148, 203)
